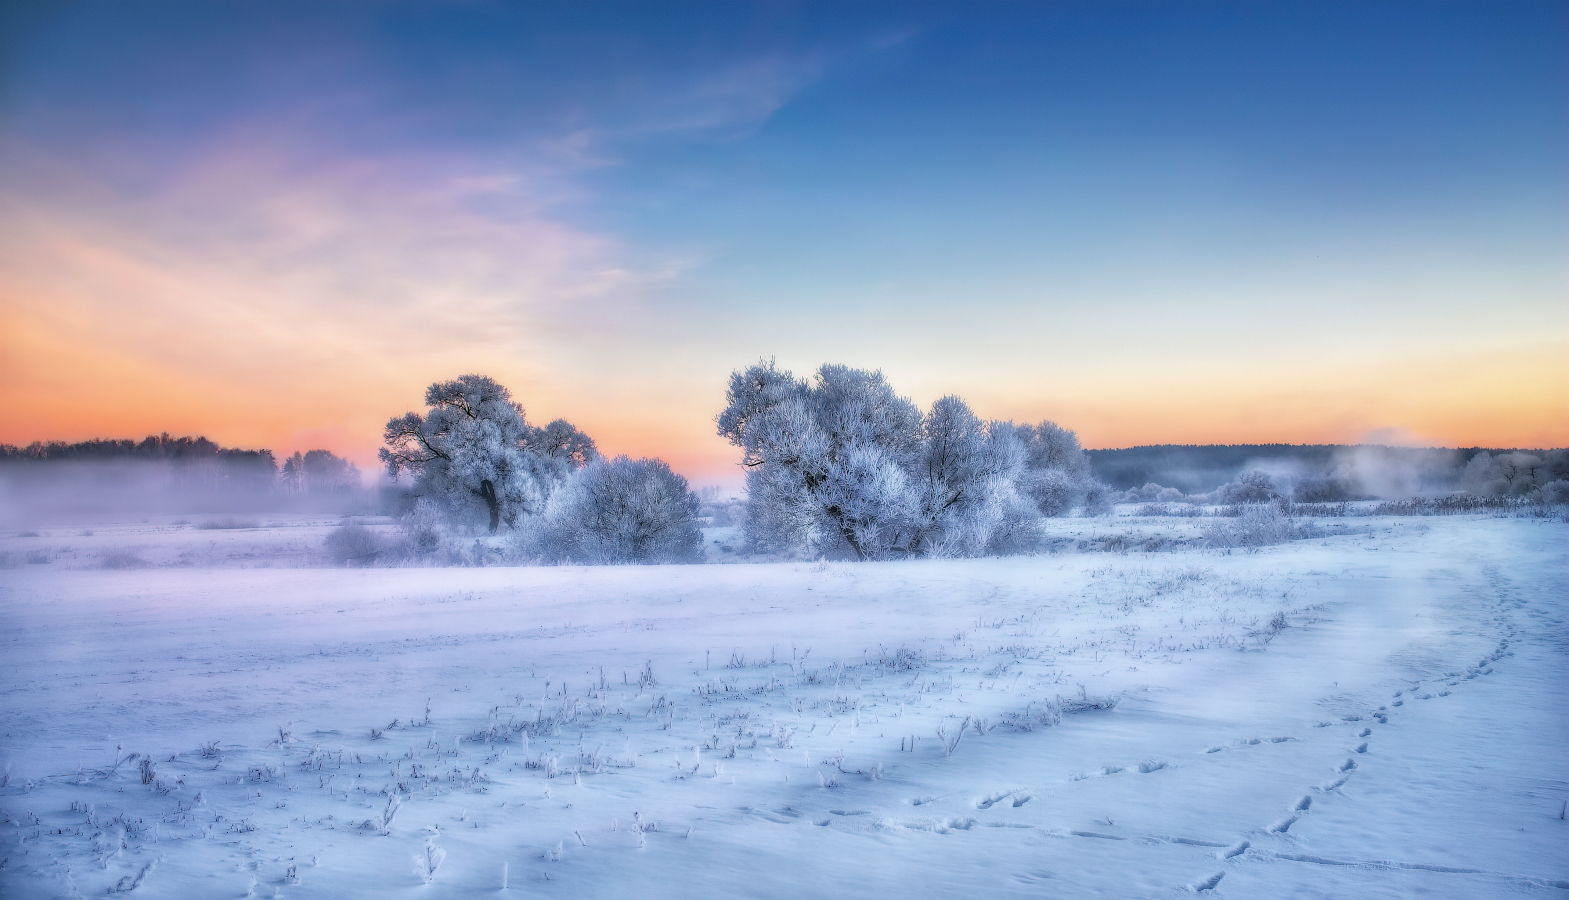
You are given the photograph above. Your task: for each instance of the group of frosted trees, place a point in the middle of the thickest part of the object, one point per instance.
(843, 466)
(840, 466)
(1518, 474)
(477, 463)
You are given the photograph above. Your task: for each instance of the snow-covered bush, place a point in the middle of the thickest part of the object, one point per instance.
(474, 456)
(1322, 487)
(1252, 486)
(1056, 472)
(623, 510)
(1255, 525)
(1097, 498)
(1554, 493)
(428, 861)
(1151, 493)
(352, 544)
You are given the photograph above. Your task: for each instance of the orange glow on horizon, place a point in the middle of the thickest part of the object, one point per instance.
(337, 303)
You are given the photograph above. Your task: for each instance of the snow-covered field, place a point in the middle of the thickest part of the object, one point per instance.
(201, 712)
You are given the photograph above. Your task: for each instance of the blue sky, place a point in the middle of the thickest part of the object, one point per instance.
(1151, 222)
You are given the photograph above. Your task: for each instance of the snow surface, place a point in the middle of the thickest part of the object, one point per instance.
(1137, 726)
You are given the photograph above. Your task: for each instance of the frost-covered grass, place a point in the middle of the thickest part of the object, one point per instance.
(1374, 712)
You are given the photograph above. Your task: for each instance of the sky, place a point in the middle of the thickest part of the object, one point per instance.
(276, 224)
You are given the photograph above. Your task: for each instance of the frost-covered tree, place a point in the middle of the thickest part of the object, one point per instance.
(829, 463)
(471, 454)
(844, 465)
(623, 510)
(1502, 475)
(966, 484)
(568, 448)
(1056, 472)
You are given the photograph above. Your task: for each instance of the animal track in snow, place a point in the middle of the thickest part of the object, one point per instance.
(1151, 765)
(1347, 766)
(1302, 804)
(990, 800)
(1365, 732)
(1328, 786)
(1021, 800)
(1362, 747)
(1104, 771)
(1284, 825)
(1206, 884)
(1191, 842)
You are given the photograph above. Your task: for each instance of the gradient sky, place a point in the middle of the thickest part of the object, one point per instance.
(275, 224)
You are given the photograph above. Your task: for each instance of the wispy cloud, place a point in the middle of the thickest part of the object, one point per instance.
(263, 265)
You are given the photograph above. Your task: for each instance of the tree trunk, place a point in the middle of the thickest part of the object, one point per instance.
(487, 492)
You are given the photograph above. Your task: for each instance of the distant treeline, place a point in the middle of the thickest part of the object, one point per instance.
(1200, 468)
(191, 460)
(154, 446)
(164, 473)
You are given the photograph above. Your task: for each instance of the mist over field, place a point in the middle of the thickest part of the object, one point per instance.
(781, 450)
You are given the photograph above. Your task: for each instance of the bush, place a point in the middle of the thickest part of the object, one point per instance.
(1098, 498)
(623, 511)
(1554, 493)
(1252, 486)
(352, 544)
(1256, 525)
(123, 559)
(1321, 488)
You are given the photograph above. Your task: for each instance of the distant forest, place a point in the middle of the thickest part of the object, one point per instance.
(1200, 468)
(166, 473)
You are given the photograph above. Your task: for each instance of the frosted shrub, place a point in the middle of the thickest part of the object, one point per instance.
(382, 824)
(1321, 488)
(623, 511)
(352, 544)
(1097, 499)
(423, 530)
(1057, 473)
(123, 559)
(427, 861)
(1554, 493)
(1256, 525)
(1252, 486)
